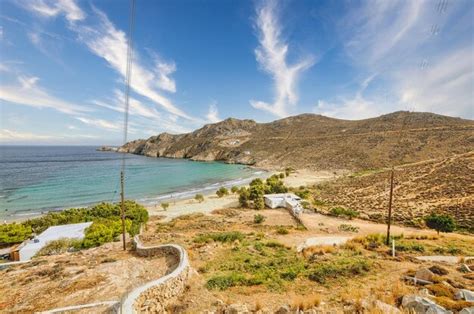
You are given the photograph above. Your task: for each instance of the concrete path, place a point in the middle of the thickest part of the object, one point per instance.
(440, 258)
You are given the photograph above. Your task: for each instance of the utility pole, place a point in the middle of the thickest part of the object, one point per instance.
(122, 209)
(389, 220)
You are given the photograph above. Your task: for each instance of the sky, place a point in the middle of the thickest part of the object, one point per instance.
(63, 64)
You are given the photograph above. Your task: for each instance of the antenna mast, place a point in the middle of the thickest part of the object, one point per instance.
(128, 78)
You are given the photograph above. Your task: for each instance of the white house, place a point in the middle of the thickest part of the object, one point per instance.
(29, 248)
(285, 200)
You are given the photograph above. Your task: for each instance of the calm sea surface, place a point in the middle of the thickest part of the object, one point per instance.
(36, 179)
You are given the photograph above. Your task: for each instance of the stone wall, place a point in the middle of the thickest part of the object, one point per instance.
(154, 296)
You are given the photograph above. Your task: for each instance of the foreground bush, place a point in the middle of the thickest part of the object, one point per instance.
(14, 233)
(441, 223)
(107, 215)
(219, 237)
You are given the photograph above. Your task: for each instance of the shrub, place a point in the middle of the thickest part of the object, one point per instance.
(199, 198)
(97, 234)
(348, 228)
(440, 223)
(282, 230)
(305, 204)
(224, 237)
(304, 194)
(234, 189)
(345, 212)
(226, 281)
(14, 233)
(259, 203)
(340, 267)
(281, 175)
(244, 196)
(60, 246)
(165, 206)
(258, 219)
(222, 192)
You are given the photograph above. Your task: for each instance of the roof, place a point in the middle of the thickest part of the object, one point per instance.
(73, 231)
(282, 195)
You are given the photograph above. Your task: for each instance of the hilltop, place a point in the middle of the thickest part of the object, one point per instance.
(318, 142)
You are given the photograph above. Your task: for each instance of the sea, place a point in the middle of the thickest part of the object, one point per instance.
(38, 179)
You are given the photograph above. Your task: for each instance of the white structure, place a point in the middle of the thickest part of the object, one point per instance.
(285, 200)
(29, 248)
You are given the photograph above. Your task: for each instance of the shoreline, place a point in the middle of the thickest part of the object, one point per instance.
(182, 202)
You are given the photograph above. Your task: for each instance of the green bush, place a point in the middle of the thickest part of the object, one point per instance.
(244, 197)
(348, 228)
(234, 189)
(440, 223)
(282, 230)
(225, 237)
(258, 219)
(199, 198)
(344, 212)
(222, 192)
(226, 281)
(304, 194)
(340, 267)
(14, 233)
(165, 205)
(97, 234)
(259, 203)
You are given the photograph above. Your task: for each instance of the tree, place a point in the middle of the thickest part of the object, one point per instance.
(259, 203)
(199, 198)
(440, 223)
(234, 189)
(165, 206)
(222, 192)
(14, 233)
(244, 197)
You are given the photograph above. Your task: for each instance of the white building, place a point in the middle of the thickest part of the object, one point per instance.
(29, 248)
(285, 200)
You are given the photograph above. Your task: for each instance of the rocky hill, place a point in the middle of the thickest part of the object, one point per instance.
(318, 142)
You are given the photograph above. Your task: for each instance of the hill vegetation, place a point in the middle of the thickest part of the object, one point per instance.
(318, 142)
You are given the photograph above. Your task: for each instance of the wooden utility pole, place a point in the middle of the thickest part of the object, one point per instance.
(389, 220)
(122, 208)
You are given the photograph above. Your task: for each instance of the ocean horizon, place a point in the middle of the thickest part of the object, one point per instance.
(38, 179)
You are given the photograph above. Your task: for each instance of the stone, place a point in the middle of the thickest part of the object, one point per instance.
(285, 309)
(438, 270)
(467, 310)
(422, 305)
(424, 274)
(236, 309)
(464, 294)
(379, 306)
(465, 269)
(425, 293)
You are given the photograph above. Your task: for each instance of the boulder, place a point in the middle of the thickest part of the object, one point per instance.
(467, 310)
(422, 305)
(464, 294)
(465, 268)
(380, 306)
(424, 274)
(285, 309)
(236, 309)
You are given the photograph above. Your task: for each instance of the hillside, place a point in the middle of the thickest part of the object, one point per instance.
(318, 142)
(443, 185)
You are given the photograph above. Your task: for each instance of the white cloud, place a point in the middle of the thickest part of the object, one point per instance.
(27, 92)
(12, 135)
(272, 57)
(100, 123)
(163, 72)
(110, 43)
(213, 114)
(446, 87)
(53, 8)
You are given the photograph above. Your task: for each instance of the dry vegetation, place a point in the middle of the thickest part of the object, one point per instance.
(443, 185)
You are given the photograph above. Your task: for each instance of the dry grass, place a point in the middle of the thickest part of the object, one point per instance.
(441, 290)
(318, 250)
(449, 304)
(303, 303)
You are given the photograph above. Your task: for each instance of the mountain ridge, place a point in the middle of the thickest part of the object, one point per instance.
(317, 142)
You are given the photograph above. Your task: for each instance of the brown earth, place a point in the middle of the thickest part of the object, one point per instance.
(441, 185)
(317, 142)
(100, 274)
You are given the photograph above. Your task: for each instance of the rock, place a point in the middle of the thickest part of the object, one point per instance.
(467, 310)
(438, 270)
(236, 309)
(464, 294)
(425, 293)
(424, 274)
(422, 305)
(465, 269)
(379, 306)
(285, 309)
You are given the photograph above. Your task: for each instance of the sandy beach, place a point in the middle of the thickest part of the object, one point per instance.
(212, 202)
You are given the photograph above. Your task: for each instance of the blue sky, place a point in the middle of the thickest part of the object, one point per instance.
(62, 63)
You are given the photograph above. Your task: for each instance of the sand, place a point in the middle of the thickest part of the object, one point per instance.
(212, 202)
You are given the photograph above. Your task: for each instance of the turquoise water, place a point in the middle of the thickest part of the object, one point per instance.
(34, 180)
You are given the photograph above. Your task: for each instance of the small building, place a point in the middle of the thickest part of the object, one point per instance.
(284, 200)
(29, 248)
